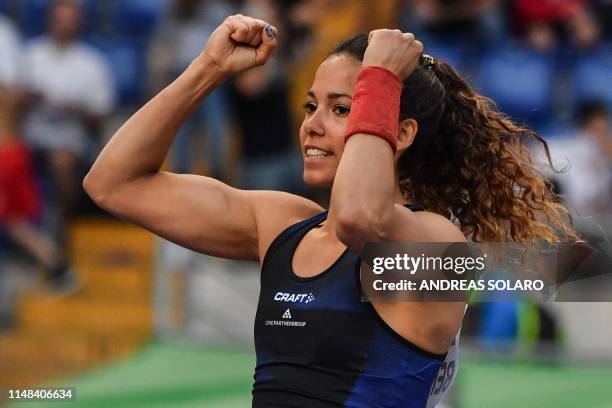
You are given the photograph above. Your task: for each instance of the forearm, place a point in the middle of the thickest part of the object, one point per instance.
(363, 192)
(364, 186)
(140, 146)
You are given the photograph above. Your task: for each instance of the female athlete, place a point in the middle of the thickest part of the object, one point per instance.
(392, 133)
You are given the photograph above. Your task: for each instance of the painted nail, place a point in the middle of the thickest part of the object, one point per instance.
(269, 31)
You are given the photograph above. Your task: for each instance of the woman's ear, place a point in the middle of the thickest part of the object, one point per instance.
(407, 131)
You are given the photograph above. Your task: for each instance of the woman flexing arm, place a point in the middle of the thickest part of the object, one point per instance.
(196, 212)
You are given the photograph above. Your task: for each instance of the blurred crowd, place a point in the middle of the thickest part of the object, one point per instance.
(71, 71)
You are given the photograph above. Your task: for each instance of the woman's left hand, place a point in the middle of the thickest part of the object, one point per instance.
(391, 49)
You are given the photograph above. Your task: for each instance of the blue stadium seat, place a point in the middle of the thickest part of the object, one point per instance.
(593, 75)
(32, 17)
(127, 63)
(520, 81)
(554, 129)
(453, 53)
(138, 19)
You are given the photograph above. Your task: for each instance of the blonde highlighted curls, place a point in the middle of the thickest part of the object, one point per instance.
(477, 169)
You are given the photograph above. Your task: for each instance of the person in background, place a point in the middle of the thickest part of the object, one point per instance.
(177, 42)
(20, 203)
(10, 47)
(603, 10)
(468, 20)
(69, 92)
(587, 155)
(260, 98)
(544, 22)
(594, 120)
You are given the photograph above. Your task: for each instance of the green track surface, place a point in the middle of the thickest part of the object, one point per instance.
(176, 375)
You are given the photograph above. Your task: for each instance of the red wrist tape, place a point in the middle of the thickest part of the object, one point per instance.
(376, 104)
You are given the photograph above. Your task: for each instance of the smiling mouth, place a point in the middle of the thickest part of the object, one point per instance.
(315, 152)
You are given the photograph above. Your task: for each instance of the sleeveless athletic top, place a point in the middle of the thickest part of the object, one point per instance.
(318, 345)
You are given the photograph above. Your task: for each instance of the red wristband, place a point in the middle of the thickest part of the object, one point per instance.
(376, 104)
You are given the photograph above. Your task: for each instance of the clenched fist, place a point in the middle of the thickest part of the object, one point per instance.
(240, 43)
(391, 49)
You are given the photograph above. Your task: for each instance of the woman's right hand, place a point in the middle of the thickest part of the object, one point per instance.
(239, 43)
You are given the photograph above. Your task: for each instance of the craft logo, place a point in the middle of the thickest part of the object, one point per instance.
(294, 297)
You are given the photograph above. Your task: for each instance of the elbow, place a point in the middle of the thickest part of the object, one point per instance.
(94, 190)
(358, 227)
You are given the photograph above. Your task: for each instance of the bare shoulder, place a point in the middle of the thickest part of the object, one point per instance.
(425, 226)
(277, 210)
(437, 228)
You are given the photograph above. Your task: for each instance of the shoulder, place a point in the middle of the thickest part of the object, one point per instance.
(437, 228)
(427, 226)
(277, 207)
(275, 211)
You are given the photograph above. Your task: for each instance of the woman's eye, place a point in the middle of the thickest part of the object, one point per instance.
(342, 110)
(310, 107)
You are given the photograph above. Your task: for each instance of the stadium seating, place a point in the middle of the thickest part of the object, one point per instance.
(138, 19)
(127, 63)
(592, 75)
(112, 316)
(520, 81)
(453, 53)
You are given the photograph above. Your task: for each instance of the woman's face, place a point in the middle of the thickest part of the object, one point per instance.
(327, 107)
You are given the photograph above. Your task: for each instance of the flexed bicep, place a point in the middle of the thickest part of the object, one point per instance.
(199, 213)
(208, 216)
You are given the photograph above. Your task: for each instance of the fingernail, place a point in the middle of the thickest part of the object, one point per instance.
(269, 31)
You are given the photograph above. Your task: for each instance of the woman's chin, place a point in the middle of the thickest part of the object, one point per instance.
(317, 180)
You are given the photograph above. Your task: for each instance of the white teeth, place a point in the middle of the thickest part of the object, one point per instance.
(314, 152)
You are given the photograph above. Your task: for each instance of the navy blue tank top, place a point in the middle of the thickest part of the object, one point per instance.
(319, 345)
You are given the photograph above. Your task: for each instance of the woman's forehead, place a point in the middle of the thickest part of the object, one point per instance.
(337, 74)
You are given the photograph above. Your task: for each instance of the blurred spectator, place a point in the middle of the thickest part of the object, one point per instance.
(10, 48)
(363, 14)
(180, 39)
(587, 183)
(260, 99)
(603, 10)
(546, 22)
(468, 20)
(69, 93)
(20, 203)
(594, 120)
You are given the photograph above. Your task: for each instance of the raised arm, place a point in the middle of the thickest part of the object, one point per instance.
(366, 201)
(196, 212)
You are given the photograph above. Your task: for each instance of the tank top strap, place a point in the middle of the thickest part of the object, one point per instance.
(291, 236)
(291, 232)
(414, 207)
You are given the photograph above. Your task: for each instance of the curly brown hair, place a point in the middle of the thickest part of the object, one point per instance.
(468, 161)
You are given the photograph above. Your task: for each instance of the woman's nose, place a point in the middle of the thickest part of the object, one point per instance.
(313, 125)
